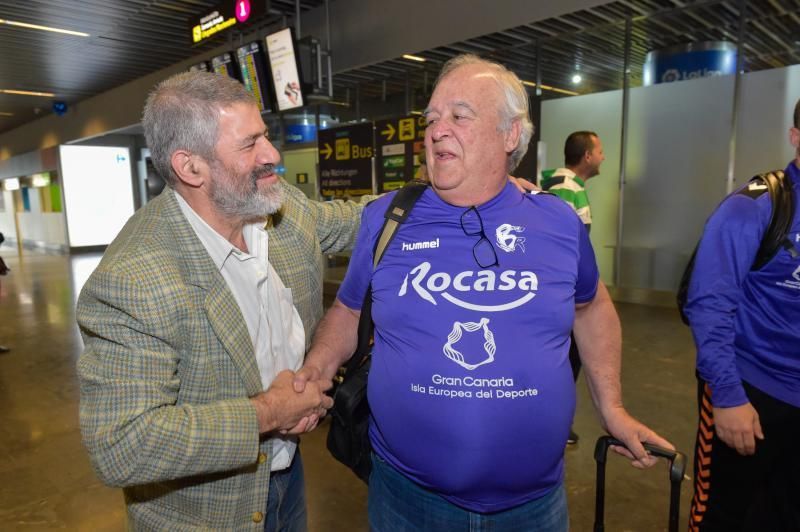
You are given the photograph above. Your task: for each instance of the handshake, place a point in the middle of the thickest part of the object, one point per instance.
(294, 402)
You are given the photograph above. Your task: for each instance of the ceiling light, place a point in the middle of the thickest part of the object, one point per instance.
(27, 93)
(414, 58)
(6, 114)
(43, 28)
(576, 78)
(549, 88)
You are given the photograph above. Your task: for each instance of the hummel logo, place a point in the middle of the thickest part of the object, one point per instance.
(413, 246)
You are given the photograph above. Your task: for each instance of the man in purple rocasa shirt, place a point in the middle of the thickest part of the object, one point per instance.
(745, 325)
(470, 387)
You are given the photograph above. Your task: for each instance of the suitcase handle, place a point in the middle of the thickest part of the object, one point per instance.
(677, 470)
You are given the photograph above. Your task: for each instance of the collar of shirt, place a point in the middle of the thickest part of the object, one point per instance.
(219, 248)
(566, 172)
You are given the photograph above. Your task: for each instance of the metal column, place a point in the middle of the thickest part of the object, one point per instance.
(623, 152)
(737, 81)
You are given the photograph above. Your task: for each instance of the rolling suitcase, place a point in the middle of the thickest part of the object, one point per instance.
(677, 469)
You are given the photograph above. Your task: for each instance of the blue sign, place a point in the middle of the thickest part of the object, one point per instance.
(690, 61)
(60, 108)
(299, 133)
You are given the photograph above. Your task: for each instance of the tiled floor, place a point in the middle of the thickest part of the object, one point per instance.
(46, 481)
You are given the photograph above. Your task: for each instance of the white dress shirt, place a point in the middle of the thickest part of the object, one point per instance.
(267, 306)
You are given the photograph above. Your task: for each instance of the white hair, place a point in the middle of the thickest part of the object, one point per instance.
(515, 102)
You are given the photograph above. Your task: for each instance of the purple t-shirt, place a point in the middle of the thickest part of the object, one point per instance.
(470, 388)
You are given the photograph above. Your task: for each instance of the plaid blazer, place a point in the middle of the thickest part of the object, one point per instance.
(168, 364)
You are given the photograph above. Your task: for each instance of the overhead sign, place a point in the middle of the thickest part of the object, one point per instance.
(345, 160)
(689, 61)
(224, 16)
(398, 142)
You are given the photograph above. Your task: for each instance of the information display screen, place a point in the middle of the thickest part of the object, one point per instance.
(225, 64)
(255, 76)
(285, 70)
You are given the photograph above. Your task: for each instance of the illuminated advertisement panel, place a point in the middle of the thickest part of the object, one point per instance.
(98, 192)
(285, 72)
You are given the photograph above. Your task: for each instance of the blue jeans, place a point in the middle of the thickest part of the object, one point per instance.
(286, 502)
(396, 504)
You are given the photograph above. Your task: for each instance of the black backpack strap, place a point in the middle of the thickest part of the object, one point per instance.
(397, 213)
(553, 181)
(781, 195)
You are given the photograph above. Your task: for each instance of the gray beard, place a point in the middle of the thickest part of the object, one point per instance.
(246, 201)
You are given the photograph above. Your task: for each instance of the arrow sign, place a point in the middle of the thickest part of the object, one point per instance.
(388, 132)
(327, 151)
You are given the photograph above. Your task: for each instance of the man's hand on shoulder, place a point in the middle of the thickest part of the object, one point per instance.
(738, 427)
(523, 185)
(284, 410)
(633, 433)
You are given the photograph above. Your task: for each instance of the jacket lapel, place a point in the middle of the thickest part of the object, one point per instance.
(228, 323)
(220, 306)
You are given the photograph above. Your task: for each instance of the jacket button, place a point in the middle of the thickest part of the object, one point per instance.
(258, 517)
(262, 458)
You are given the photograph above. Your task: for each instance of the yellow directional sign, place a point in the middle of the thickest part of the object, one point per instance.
(398, 140)
(343, 149)
(407, 131)
(327, 151)
(388, 131)
(345, 159)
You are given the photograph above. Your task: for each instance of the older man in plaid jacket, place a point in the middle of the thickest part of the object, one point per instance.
(192, 336)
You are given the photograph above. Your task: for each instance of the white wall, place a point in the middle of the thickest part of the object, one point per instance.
(762, 143)
(676, 170)
(601, 113)
(7, 226)
(677, 161)
(42, 229)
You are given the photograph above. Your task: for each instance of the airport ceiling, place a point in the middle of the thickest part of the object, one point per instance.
(591, 42)
(131, 38)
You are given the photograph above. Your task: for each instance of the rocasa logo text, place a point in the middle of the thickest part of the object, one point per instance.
(428, 285)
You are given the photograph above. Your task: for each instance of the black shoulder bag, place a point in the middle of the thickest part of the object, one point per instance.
(348, 437)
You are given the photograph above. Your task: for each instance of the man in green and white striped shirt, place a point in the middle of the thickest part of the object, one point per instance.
(583, 154)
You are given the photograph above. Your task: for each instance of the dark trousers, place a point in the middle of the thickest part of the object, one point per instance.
(748, 493)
